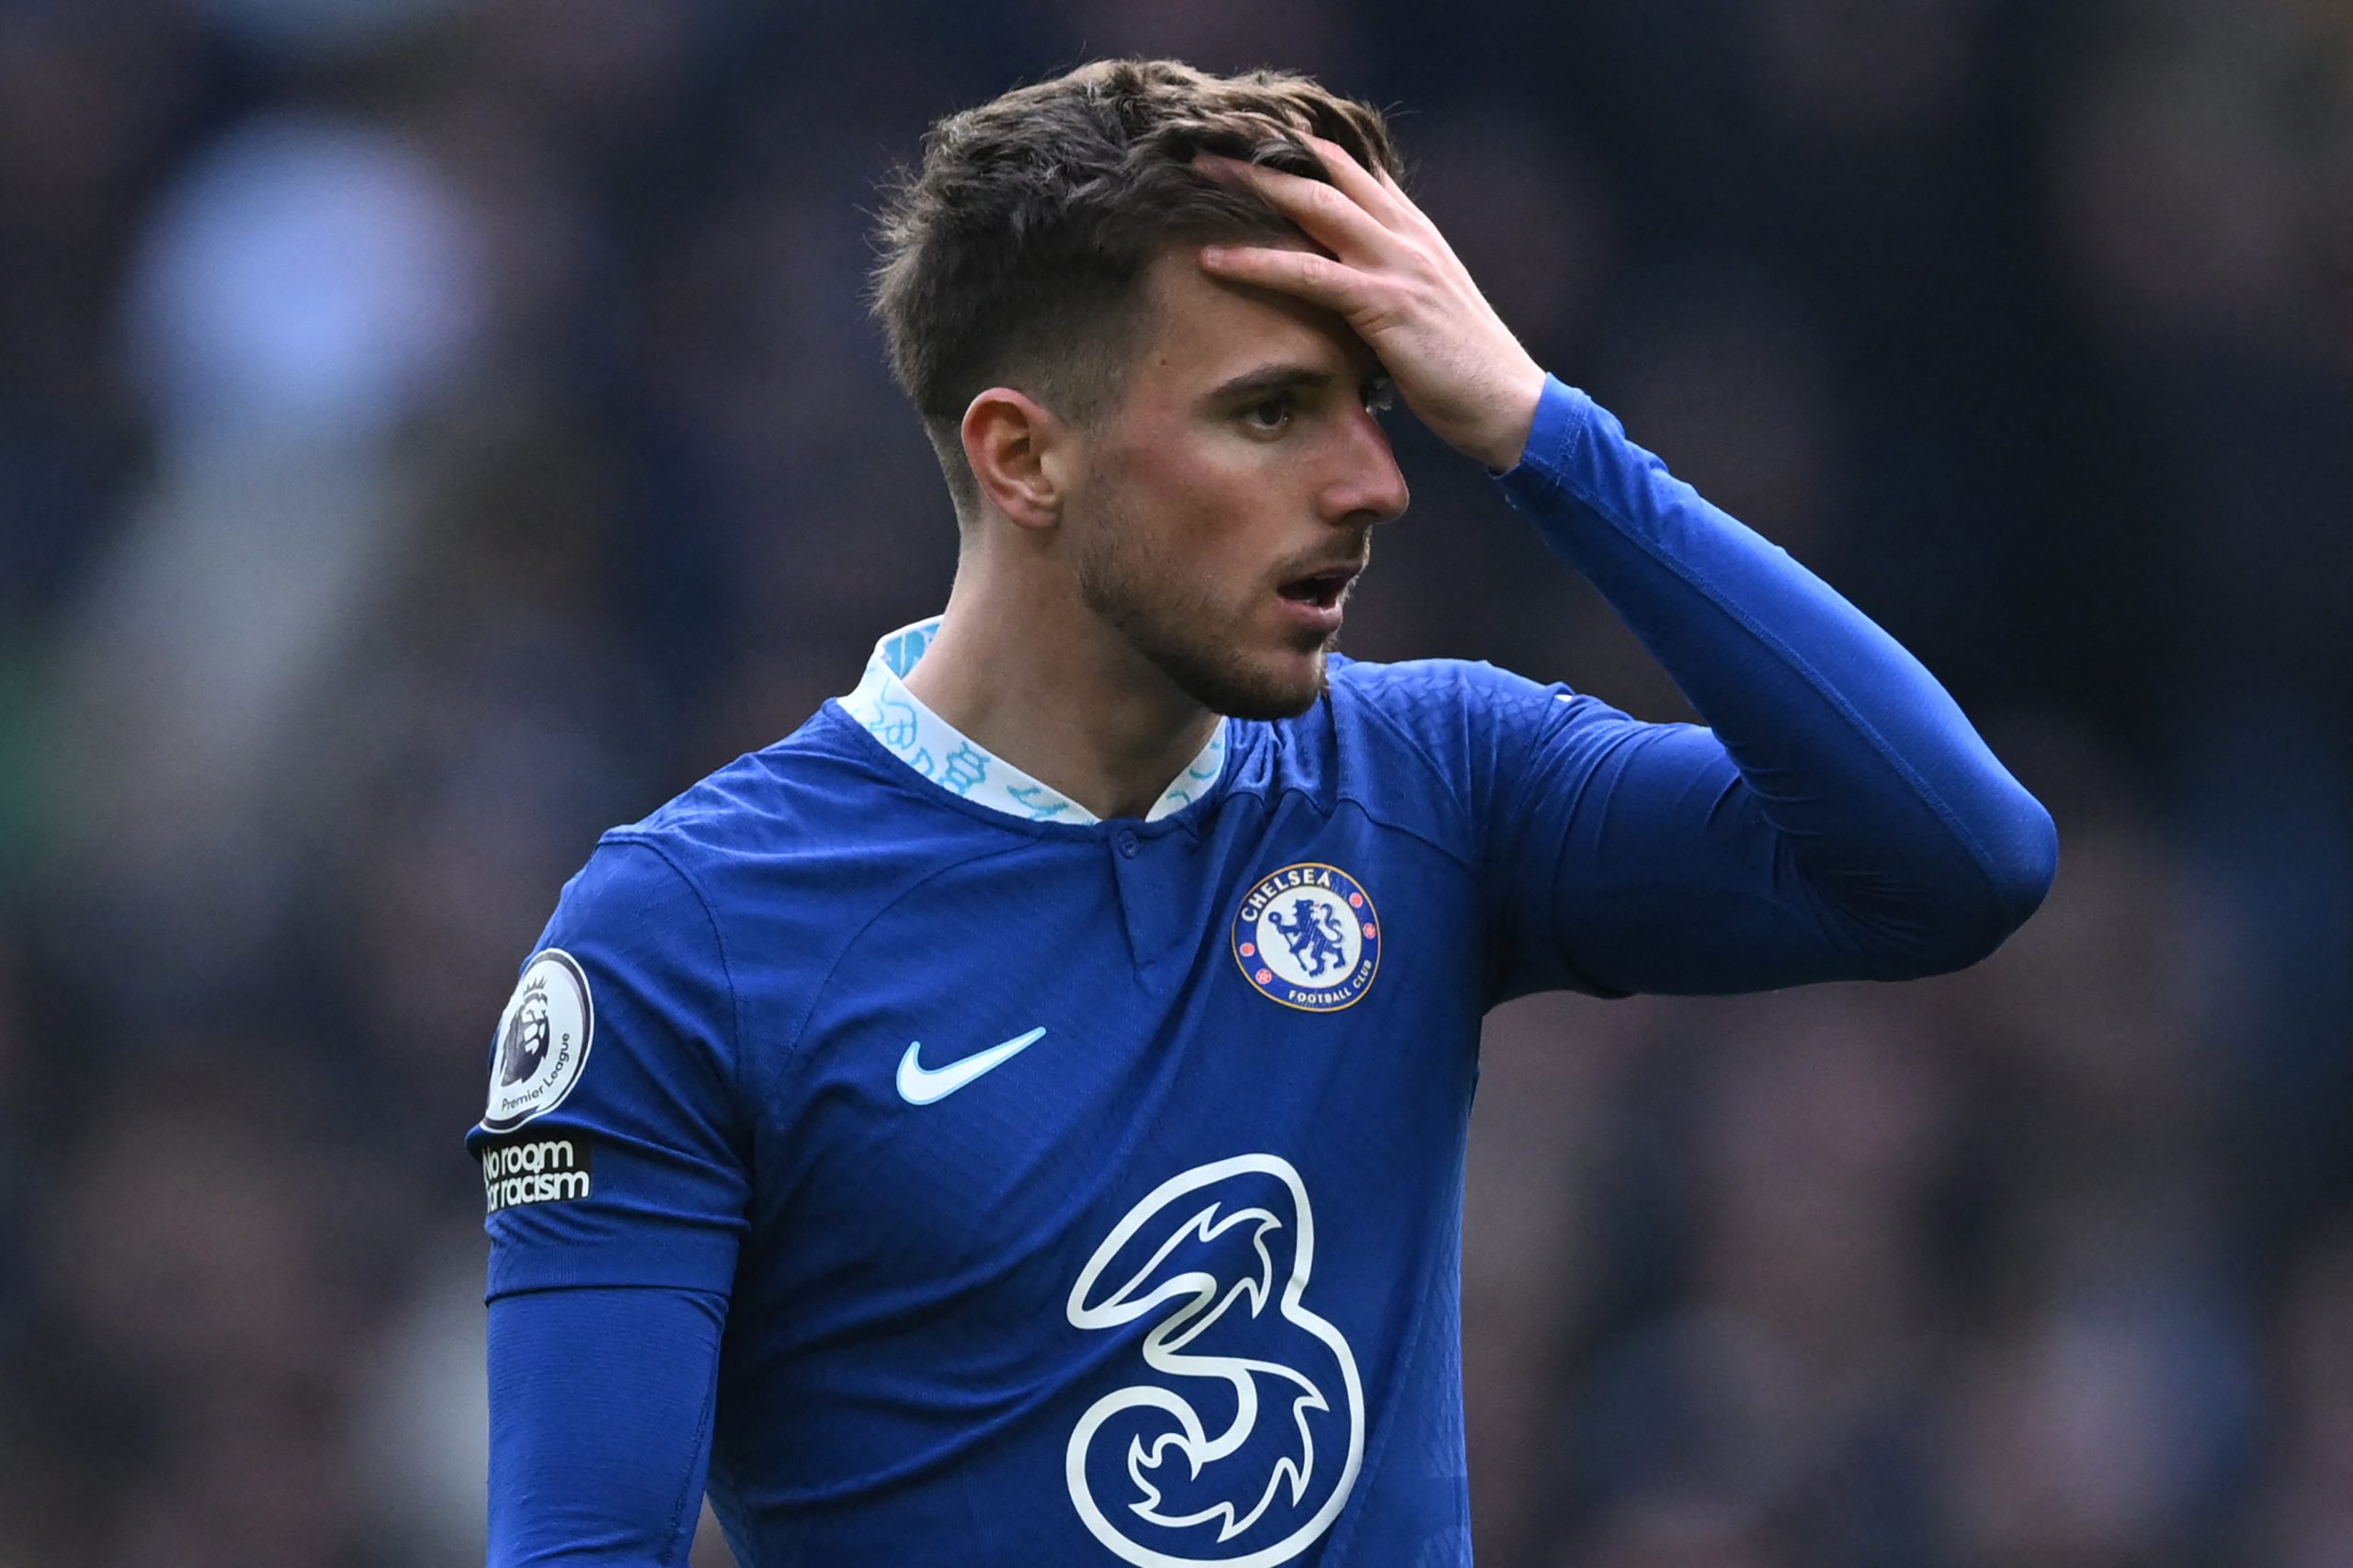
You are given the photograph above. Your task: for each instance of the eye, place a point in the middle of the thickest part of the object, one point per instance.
(1380, 395)
(1269, 415)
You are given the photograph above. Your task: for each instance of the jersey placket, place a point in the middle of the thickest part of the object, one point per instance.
(1151, 871)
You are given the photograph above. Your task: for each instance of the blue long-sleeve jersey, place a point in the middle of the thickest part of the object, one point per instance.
(960, 1180)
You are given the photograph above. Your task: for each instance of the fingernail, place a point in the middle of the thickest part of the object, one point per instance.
(1214, 254)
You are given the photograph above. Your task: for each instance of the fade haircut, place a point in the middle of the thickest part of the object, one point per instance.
(1013, 255)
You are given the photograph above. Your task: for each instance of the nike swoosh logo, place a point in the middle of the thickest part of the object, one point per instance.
(919, 1084)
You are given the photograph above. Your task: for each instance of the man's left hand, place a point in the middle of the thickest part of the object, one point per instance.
(1397, 283)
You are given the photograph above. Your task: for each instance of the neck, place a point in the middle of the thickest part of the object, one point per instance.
(1040, 681)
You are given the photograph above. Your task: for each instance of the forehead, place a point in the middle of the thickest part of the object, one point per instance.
(1201, 331)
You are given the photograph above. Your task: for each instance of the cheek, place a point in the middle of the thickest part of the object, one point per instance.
(1195, 515)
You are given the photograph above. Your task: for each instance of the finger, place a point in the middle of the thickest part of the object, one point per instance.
(1305, 275)
(1368, 188)
(1410, 218)
(1397, 193)
(1396, 210)
(1326, 212)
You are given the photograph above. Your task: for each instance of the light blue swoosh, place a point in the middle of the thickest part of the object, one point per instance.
(919, 1084)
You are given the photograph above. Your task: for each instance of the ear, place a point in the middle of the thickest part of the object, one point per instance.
(1020, 453)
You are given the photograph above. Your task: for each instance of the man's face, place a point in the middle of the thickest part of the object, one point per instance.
(1229, 498)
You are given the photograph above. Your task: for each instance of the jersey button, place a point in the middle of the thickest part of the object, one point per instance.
(1127, 842)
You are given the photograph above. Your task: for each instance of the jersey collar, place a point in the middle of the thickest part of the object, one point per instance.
(934, 748)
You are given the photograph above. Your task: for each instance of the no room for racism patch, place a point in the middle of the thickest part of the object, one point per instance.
(516, 1171)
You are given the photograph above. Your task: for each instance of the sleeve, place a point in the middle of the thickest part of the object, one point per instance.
(600, 1421)
(613, 1151)
(1836, 818)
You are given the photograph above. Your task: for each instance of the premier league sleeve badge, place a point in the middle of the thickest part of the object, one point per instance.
(543, 1039)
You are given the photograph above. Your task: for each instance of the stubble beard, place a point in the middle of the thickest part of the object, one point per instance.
(1172, 623)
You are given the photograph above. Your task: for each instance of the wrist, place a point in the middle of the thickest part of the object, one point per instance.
(1501, 444)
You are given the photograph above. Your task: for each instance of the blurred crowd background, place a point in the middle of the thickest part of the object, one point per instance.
(432, 431)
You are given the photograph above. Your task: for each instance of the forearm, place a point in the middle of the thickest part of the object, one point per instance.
(600, 1414)
(1893, 810)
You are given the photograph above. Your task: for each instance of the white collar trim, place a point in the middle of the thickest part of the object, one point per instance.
(934, 748)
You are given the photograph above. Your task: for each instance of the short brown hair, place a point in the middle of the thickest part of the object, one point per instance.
(1012, 256)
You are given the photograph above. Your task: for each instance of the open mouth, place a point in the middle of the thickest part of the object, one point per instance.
(1323, 590)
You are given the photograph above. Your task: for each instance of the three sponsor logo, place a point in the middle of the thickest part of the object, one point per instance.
(1238, 1432)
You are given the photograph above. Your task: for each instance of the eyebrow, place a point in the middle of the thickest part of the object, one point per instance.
(1264, 381)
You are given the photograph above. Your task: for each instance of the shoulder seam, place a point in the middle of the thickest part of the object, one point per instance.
(1414, 743)
(718, 940)
(792, 1046)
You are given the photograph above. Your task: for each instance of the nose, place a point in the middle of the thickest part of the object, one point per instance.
(1366, 486)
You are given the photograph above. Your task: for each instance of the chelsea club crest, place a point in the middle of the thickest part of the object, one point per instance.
(1309, 937)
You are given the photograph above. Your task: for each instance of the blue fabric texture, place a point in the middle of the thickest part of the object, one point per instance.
(601, 1408)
